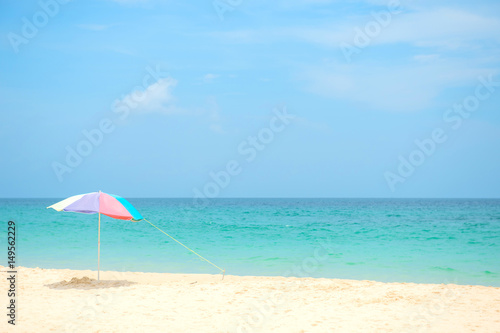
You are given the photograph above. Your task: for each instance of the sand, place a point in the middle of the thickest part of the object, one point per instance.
(61, 300)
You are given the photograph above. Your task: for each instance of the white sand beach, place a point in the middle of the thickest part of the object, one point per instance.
(61, 300)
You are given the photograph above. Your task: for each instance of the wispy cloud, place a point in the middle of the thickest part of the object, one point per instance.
(428, 50)
(214, 118)
(155, 98)
(159, 98)
(209, 78)
(446, 27)
(442, 27)
(396, 88)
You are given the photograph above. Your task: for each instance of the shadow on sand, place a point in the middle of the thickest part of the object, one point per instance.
(88, 283)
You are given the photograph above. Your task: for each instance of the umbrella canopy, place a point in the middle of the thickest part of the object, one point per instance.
(98, 202)
(102, 203)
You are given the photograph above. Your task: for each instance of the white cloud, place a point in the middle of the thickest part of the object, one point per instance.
(448, 28)
(456, 41)
(445, 27)
(431, 49)
(158, 98)
(155, 98)
(397, 88)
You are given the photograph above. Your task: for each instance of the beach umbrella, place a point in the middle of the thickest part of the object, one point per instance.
(101, 203)
(113, 206)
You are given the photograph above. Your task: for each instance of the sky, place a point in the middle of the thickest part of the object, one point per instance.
(239, 98)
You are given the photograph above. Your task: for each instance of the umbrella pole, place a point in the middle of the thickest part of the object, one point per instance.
(99, 246)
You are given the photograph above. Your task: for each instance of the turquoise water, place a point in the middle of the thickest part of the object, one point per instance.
(390, 240)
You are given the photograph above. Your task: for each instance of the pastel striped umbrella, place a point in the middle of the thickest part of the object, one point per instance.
(99, 203)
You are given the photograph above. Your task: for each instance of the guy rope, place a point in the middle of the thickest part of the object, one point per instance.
(203, 258)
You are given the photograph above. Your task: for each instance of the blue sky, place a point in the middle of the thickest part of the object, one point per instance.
(157, 98)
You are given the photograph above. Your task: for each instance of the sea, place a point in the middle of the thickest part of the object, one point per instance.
(388, 240)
